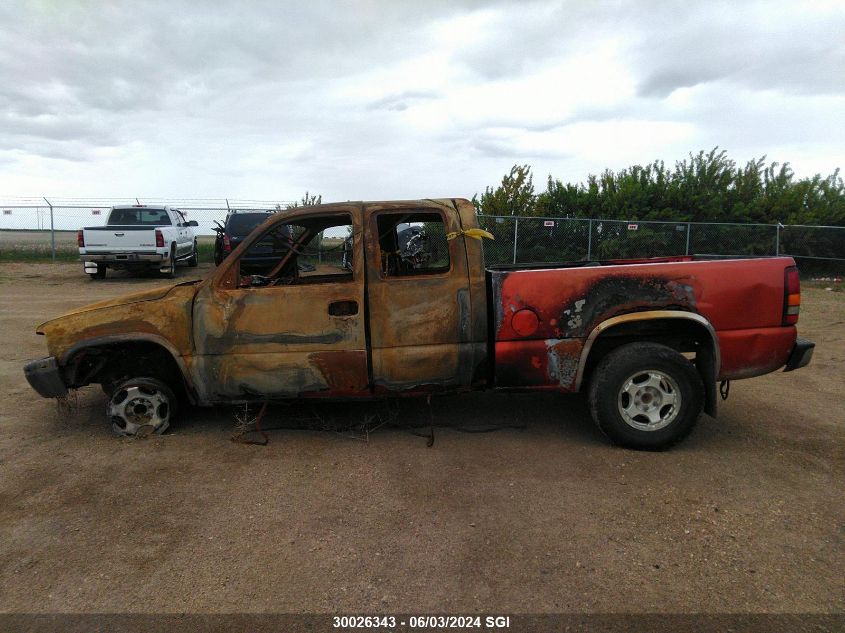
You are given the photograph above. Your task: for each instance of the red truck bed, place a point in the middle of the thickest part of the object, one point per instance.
(542, 318)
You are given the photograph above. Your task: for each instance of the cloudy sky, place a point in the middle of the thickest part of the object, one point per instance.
(403, 99)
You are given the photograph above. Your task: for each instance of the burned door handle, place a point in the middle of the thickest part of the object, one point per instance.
(343, 308)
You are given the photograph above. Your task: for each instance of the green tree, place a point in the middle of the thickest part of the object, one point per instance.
(306, 201)
(705, 187)
(515, 196)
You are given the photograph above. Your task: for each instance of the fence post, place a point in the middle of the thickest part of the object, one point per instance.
(686, 251)
(590, 239)
(777, 238)
(515, 236)
(52, 233)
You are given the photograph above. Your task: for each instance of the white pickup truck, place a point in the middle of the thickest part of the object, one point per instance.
(138, 237)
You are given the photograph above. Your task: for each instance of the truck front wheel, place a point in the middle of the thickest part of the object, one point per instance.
(141, 406)
(194, 259)
(645, 396)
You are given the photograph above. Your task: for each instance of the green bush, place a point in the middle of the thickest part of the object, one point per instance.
(706, 187)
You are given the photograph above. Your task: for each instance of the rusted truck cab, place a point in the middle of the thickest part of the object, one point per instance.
(367, 300)
(379, 325)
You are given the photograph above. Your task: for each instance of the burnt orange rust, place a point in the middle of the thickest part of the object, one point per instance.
(343, 371)
(165, 314)
(417, 334)
(276, 341)
(424, 336)
(563, 362)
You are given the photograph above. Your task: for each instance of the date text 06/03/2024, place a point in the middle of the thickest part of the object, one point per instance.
(421, 622)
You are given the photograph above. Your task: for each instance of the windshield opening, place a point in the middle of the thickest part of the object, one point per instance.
(242, 224)
(305, 251)
(140, 216)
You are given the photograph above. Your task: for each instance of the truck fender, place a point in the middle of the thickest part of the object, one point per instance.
(708, 367)
(134, 338)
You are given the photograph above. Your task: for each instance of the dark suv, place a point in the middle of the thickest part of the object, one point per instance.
(237, 226)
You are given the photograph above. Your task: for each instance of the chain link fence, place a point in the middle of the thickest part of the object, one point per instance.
(71, 215)
(522, 240)
(48, 227)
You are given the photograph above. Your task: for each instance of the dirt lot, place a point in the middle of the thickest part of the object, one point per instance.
(745, 516)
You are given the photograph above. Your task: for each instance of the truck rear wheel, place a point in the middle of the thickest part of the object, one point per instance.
(100, 274)
(141, 406)
(169, 271)
(645, 396)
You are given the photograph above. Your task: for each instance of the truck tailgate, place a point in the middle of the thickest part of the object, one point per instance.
(116, 239)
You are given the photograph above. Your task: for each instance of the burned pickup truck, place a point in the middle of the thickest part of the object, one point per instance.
(647, 340)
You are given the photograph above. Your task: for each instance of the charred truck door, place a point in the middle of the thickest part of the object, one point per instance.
(420, 322)
(285, 318)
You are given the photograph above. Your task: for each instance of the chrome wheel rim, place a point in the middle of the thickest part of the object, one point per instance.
(649, 400)
(139, 409)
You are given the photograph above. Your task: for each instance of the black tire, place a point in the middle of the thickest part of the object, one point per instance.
(100, 274)
(645, 396)
(170, 272)
(218, 251)
(193, 260)
(141, 406)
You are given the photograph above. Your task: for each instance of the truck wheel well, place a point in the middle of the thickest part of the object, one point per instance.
(111, 363)
(682, 335)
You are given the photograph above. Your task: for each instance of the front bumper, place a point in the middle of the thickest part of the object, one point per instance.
(45, 377)
(801, 354)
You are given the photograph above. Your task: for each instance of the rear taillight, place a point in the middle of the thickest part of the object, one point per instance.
(80, 239)
(227, 245)
(159, 239)
(791, 296)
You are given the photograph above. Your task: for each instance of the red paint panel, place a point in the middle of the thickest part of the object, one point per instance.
(523, 363)
(754, 352)
(550, 364)
(570, 302)
(525, 322)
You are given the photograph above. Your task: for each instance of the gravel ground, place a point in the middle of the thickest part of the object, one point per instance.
(744, 516)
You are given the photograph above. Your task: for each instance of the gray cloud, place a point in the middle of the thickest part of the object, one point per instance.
(122, 66)
(267, 95)
(672, 45)
(794, 53)
(498, 148)
(530, 34)
(76, 128)
(401, 101)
